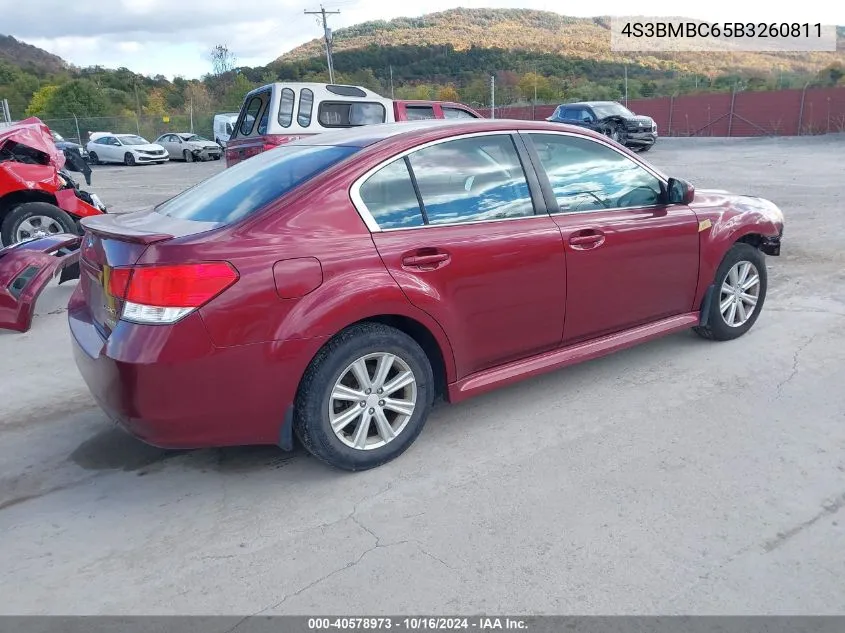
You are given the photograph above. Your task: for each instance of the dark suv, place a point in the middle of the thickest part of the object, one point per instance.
(612, 119)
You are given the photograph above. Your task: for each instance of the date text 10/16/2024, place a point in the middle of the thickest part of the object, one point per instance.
(484, 623)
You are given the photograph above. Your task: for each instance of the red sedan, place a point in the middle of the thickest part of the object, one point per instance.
(333, 287)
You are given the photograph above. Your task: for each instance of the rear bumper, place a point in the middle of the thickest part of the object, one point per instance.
(169, 386)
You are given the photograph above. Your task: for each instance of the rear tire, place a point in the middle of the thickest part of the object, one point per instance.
(330, 419)
(92, 156)
(739, 287)
(39, 216)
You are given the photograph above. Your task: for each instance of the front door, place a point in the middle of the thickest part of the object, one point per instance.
(469, 249)
(630, 258)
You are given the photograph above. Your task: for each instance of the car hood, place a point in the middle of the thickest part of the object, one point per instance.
(149, 147)
(33, 133)
(202, 145)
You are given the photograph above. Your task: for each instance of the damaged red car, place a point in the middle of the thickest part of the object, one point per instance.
(38, 196)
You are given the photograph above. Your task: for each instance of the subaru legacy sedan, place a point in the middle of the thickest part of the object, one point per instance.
(333, 288)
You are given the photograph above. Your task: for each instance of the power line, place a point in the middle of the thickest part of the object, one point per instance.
(328, 36)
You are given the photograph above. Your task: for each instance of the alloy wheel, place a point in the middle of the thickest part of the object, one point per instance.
(37, 226)
(372, 401)
(739, 294)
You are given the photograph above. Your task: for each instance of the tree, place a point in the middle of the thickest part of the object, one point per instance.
(156, 104)
(222, 60)
(80, 97)
(532, 81)
(448, 93)
(39, 100)
(236, 91)
(196, 96)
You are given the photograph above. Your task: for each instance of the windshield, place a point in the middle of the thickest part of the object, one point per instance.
(611, 109)
(196, 138)
(246, 187)
(131, 139)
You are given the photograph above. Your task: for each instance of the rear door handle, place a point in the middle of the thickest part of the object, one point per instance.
(419, 261)
(588, 238)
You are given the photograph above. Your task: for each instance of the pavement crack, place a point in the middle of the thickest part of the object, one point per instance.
(436, 558)
(829, 508)
(795, 362)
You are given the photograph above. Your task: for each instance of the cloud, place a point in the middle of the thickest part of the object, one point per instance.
(175, 37)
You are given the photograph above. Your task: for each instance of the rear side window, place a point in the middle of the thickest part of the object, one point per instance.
(390, 198)
(419, 113)
(456, 113)
(346, 114)
(306, 104)
(246, 187)
(286, 107)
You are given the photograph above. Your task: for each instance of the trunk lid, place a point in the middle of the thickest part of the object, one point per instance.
(119, 241)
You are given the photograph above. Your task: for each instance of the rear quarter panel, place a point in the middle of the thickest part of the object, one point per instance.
(730, 218)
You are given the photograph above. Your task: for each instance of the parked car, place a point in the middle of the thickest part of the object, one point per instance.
(611, 119)
(189, 147)
(38, 195)
(223, 125)
(334, 286)
(288, 111)
(129, 149)
(69, 146)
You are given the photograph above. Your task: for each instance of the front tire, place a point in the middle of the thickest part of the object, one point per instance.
(129, 159)
(739, 291)
(33, 220)
(364, 398)
(188, 156)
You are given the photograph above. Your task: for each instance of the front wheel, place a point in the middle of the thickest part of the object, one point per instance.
(34, 220)
(738, 295)
(615, 133)
(643, 149)
(365, 397)
(189, 157)
(128, 159)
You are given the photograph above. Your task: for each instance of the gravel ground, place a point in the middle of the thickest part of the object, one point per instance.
(682, 476)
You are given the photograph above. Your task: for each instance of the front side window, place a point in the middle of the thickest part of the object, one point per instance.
(419, 113)
(472, 180)
(390, 197)
(346, 114)
(306, 104)
(456, 113)
(251, 114)
(588, 176)
(246, 187)
(286, 107)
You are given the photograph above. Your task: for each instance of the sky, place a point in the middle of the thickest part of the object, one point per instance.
(174, 37)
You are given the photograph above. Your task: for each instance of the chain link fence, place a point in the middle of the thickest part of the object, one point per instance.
(149, 127)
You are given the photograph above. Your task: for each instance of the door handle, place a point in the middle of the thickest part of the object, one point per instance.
(588, 238)
(419, 261)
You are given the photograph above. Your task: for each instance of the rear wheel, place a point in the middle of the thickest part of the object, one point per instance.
(92, 156)
(128, 159)
(738, 295)
(188, 156)
(33, 220)
(365, 397)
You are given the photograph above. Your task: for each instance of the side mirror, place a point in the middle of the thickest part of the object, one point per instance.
(679, 191)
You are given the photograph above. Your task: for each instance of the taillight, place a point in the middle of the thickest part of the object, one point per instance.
(165, 294)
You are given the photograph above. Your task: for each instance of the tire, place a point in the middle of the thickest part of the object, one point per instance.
(92, 156)
(60, 222)
(615, 134)
(332, 364)
(129, 159)
(188, 156)
(645, 148)
(718, 327)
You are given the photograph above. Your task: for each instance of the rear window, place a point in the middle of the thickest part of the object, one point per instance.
(246, 187)
(419, 113)
(345, 114)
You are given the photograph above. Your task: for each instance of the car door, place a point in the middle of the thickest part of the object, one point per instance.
(630, 258)
(110, 148)
(457, 229)
(170, 142)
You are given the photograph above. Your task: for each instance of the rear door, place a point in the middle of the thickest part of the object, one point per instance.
(630, 258)
(455, 224)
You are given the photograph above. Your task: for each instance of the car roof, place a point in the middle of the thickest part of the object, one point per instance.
(591, 103)
(413, 132)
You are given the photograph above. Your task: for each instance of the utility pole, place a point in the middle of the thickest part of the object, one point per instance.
(391, 81)
(626, 85)
(327, 33)
(492, 96)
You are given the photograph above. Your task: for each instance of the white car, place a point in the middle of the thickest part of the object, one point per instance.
(129, 149)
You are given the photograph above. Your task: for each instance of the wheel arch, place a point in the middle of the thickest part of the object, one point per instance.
(17, 198)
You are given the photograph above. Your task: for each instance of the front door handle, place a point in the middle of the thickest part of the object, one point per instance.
(588, 238)
(425, 261)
